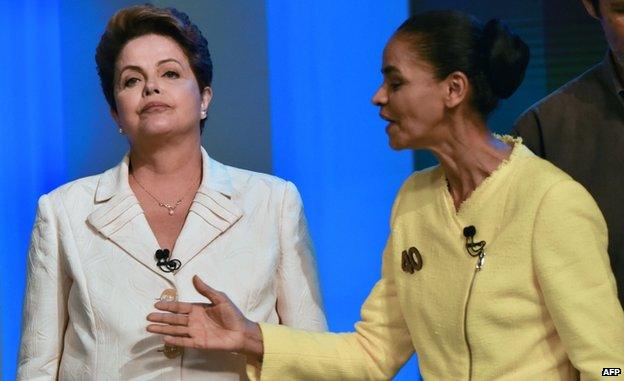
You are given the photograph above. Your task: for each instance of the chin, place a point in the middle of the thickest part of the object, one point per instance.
(159, 127)
(396, 145)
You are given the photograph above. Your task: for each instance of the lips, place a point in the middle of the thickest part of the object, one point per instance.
(390, 121)
(154, 107)
(385, 117)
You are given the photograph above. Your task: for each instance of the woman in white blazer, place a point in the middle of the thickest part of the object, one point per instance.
(105, 248)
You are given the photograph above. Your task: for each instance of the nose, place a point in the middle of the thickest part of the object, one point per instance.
(151, 87)
(380, 97)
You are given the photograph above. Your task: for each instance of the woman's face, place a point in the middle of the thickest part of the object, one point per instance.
(410, 97)
(156, 92)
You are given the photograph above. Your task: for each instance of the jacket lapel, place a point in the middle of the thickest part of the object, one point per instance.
(212, 212)
(119, 217)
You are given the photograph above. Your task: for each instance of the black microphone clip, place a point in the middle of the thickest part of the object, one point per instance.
(164, 263)
(474, 249)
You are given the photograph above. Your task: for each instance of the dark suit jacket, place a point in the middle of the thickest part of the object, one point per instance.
(580, 128)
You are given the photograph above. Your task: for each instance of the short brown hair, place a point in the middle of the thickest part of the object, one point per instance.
(140, 20)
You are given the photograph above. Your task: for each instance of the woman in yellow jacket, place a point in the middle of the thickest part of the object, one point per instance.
(496, 266)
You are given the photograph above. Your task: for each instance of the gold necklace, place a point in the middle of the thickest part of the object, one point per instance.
(171, 208)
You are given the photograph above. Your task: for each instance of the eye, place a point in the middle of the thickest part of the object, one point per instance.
(130, 82)
(171, 74)
(395, 85)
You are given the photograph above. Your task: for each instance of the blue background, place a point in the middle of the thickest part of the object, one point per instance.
(293, 82)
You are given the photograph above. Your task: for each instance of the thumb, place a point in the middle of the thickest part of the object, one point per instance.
(207, 291)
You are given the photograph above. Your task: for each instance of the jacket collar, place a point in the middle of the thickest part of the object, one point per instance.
(213, 211)
(610, 76)
(119, 217)
(115, 180)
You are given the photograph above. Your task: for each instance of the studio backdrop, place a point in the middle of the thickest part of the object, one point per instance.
(292, 87)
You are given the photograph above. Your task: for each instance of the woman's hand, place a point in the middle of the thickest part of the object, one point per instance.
(214, 326)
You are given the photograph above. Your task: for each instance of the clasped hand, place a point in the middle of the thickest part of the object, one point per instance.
(219, 325)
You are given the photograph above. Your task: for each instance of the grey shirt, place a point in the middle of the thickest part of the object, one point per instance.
(580, 129)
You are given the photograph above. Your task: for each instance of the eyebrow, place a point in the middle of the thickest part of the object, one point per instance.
(390, 70)
(168, 60)
(137, 68)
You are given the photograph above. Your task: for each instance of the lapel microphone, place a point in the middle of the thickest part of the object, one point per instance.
(164, 263)
(474, 249)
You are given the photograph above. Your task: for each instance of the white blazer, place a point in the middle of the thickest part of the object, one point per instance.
(92, 275)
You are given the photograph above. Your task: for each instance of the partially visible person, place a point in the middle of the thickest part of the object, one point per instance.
(105, 247)
(496, 266)
(580, 129)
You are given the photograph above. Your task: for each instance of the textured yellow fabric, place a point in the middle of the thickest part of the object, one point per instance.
(543, 307)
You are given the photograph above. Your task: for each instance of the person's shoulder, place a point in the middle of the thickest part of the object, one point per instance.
(421, 179)
(417, 190)
(246, 181)
(590, 78)
(539, 182)
(573, 94)
(76, 189)
(74, 197)
(544, 170)
(241, 175)
(535, 176)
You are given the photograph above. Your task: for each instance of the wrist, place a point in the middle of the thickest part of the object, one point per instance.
(253, 345)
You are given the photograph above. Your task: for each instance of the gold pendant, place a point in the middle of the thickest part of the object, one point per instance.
(169, 207)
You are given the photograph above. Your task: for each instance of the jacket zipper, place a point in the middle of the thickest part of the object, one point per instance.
(478, 267)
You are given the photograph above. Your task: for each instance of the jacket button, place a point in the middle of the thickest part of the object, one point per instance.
(169, 295)
(170, 351)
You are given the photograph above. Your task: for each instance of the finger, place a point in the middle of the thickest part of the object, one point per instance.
(179, 341)
(177, 307)
(215, 296)
(174, 319)
(204, 305)
(170, 330)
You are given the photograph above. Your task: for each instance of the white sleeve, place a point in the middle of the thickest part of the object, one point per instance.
(45, 303)
(299, 301)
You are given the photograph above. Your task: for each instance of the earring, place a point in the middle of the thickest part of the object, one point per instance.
(121, 132)
(203, 114)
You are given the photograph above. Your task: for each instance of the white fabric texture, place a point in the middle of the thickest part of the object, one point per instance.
(93, 279)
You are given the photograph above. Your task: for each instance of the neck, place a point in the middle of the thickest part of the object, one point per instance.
(468, 154)
(167, 167)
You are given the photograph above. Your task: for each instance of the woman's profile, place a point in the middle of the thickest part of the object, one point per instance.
(496, 265)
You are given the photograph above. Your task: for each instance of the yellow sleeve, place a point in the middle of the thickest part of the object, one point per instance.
(376, 350)
(573, 271)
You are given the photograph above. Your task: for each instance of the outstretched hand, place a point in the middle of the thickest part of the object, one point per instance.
(213, 326)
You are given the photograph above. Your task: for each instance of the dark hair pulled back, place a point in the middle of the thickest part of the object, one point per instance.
(491, 56)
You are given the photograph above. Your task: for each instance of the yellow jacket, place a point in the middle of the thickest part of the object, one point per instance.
(542, 307)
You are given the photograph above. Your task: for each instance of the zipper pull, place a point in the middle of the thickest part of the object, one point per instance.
(481, 260)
